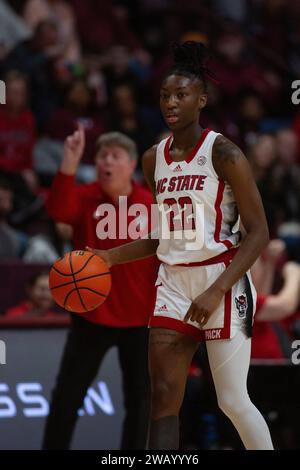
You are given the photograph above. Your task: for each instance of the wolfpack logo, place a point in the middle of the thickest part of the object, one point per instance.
(242, 305)
(201, 160)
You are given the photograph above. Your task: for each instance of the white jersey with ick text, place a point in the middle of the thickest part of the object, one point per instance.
(198, 216)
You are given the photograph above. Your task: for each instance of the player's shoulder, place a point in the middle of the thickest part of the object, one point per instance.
(224, 149)
(226, 157)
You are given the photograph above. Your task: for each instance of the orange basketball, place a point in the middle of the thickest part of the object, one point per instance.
(80, 281)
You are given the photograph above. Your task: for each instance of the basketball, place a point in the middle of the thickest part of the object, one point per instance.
(80, 281)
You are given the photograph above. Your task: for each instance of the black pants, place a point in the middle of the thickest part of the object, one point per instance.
(84, 351)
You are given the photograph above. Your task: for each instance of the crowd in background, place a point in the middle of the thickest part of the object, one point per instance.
(100, 63)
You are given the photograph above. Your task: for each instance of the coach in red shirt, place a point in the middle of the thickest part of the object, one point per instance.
(123, 318)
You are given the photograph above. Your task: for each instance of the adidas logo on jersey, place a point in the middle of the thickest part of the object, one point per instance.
(163, 308)
(177, 168)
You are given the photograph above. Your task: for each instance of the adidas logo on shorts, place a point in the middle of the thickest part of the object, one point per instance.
(163, 308)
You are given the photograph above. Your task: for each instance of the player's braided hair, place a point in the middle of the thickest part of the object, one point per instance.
(190, 60)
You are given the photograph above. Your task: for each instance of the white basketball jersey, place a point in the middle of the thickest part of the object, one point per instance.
(198, 216)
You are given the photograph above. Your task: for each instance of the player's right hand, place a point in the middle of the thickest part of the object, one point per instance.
(104, 254)
(73, 151)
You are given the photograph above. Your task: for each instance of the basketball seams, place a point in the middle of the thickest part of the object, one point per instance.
(83, 288)
(79, 280)
(59, 272)
(77, 272)
(68, 295)
(92, 290)
(85, 264)
(74, 280)
(78, 294)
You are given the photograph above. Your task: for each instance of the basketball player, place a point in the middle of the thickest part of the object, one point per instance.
(204, 288)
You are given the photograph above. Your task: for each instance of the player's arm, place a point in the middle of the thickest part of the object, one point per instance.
(281, 305)
(142, 248)
(232, 166)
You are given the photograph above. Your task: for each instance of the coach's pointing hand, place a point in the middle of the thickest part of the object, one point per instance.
(73, 151)
(204, 306)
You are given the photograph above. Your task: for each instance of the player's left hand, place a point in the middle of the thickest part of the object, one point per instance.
(204, 305)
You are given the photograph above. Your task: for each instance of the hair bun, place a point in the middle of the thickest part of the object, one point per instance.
(191, 56)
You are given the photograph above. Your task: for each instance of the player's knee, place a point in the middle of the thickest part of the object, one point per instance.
(165, 396)
(232, 405)
(226, 405)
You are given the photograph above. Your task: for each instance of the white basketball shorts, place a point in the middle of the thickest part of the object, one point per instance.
(177, 286)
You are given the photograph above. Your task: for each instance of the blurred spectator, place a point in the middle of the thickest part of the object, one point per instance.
(274, 330)
(262, 157)
(37, 59)
(95, 78)
(49, 244)
(17, 129)
(12, 29)
(12, 242)
(17, 138)
(270, 338)
(102, 24)
(78, 108)
(285, 178)
(39, 302)
(132, 120)
(116, 67)
(235, 10)
(217, 116)
(62, 13)
(250, 113)
(236, 69)
(296, 127)
(277, 174)
(47, 157)
(294, 38)
(287, 147)
(263, 270)
(285, 191)
(271, 24)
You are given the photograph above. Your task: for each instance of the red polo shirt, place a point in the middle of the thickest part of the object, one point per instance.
(265, 342)
(17, 138)
(24, 308)
(132, 297)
